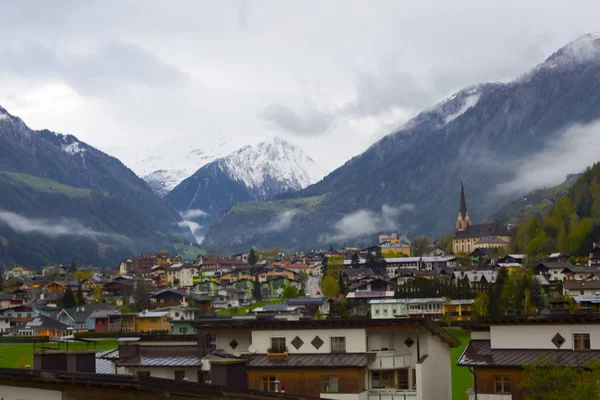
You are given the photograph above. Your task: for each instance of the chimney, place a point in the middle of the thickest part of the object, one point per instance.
(126, 351)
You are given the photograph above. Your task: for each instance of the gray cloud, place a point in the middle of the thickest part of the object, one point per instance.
(309, 122)
(280, 223)
(53, 228)
(194, 227)
(193, 213)
(570, 152)
(363, 223)
(98, 70)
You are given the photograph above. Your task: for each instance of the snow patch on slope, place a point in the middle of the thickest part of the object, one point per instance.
(469, 101)
(73, 148)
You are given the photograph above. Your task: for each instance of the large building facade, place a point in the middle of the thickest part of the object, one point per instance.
(469, 237)
(340, 359)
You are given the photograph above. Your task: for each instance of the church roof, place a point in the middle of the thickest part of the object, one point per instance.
(462, 207)
(483, 230)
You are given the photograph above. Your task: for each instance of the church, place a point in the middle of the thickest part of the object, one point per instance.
(469, 237)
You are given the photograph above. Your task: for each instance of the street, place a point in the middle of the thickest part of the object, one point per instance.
(312, 286)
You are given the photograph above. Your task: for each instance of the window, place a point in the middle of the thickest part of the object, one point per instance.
(267, 383)
(501, 384)
(382, 379)
(179, 375)
(183, 331)
(403, 379)
(143, 374)
(581, 341)
(278, 343)
(153, 320)
(338, 344)
(329, 384)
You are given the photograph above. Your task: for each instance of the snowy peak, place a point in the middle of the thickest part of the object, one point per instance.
(172, 162)
(271, 167)
(584, 49)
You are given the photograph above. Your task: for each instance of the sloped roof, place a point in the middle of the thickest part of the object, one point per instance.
(312, 360)
(163, 356)
(480, 353)
(483, 230)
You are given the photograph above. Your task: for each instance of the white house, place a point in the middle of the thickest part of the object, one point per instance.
(340, 359)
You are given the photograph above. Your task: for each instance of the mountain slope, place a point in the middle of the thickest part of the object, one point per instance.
(97, 185)
(537, 202)
(256, 172)
(483, 135)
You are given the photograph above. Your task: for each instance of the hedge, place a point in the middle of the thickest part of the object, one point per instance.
(23, 339)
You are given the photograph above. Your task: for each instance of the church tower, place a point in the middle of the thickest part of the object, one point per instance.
(463, 220)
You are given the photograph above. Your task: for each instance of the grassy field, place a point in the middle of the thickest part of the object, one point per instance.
(19, 355)
(301, 206)
(48, 186)
(242, 310)
(461, 377)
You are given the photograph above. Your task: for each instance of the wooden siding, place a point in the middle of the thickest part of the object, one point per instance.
(486, 381)
(307, 382)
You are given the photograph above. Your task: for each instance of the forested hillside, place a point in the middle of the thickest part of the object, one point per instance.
(570, 226)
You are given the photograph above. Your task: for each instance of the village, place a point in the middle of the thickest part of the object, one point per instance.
(371, 323)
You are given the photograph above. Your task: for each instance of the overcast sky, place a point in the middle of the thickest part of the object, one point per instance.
(329, 76)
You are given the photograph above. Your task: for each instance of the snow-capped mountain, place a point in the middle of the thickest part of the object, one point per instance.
(271, 167)
(172, 162)
(257, 172)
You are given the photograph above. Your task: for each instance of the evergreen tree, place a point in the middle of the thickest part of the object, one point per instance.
(79, 298)
(141, 296)
(256, 292)
(73, 267)
(252, 257)
(355, 260)
(341, 283)
(496, 307)
(537, 294)
(68, 300)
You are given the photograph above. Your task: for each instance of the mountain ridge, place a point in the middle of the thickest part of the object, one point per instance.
(115, 191)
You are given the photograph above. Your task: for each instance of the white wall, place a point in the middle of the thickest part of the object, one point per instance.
(355, 340)
(243, 338)
(166, 373)
(434, 377)
(540, 336)
(480, 335)
(25, 393)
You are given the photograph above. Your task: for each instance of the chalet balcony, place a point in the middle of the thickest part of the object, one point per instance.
(481, 396)
(390, 359)
(392, 394)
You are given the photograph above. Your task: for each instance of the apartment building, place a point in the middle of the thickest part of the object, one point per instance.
(339, 359)
(503, 345)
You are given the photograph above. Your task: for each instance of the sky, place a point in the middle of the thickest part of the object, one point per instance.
(131, 77)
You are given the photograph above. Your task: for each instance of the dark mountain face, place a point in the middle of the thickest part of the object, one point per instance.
(211, 190)
(480, 135)
(119, 202)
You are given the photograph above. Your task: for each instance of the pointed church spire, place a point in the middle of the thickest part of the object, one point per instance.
(462, 208)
